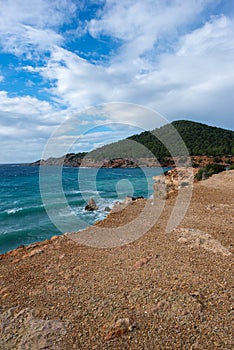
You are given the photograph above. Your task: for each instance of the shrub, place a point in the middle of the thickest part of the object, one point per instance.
(218, 160)
(200, 174)
(231, 167)
(208, 171)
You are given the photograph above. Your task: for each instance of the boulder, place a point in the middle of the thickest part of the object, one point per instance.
(130, 199)
(118, 327)
(171, 181)
(117, 206)
(91, 206)
(107, 209)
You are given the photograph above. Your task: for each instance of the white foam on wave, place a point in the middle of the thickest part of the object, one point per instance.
(84, 192)
(13, 210)
(6, 232)
(92, 192)
(66, 213)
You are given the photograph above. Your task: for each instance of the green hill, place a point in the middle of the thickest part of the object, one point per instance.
(200, 139)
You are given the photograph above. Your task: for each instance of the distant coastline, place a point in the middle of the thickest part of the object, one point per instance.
(177, 144)
(72, 160)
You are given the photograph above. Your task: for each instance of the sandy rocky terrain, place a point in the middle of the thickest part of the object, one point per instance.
(162, 291)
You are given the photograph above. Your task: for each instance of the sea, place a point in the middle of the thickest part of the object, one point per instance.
(31, 210)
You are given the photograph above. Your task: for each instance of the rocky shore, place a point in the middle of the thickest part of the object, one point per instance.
(73, 160)
(161, 291)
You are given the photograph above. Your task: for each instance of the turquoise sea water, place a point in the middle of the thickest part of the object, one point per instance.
(23, 218)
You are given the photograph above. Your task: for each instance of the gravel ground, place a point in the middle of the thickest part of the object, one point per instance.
(161, 291)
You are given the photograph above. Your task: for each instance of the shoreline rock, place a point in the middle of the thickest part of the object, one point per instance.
(171, 181)
(72, 160)
(91, 205)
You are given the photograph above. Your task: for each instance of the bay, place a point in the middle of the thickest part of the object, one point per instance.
(23, 217)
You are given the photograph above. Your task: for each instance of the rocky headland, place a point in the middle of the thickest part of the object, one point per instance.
(74, 160)
(161, 291)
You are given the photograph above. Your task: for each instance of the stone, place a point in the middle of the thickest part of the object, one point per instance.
(91, 206)
(171, 181)
(194, 238)
(160, 189)
(138, 198)
(32, 253)
(128, 200)
(141, 262)
(118, 328)
(22, 330)
(117, 206)
(107, 209)
(53, 238)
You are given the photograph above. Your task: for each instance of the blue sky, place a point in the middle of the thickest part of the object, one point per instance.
(60, 57)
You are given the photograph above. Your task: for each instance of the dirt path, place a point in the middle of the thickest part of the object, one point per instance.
(162, 291)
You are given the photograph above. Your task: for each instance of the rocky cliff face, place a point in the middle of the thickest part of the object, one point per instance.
(119, 163)
(172, 181)
(69, 159)
(73, 161)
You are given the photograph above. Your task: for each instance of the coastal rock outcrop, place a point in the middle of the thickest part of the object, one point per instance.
(130, 199)
(108, 209)
(119, 163)
(171, 181)
(127, 201)
(91, 206)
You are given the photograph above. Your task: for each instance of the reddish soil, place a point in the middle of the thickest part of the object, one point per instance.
(162, 291)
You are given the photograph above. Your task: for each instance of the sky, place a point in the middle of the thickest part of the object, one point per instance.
(59, 58)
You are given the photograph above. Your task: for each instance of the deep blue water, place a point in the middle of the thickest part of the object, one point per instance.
(23, 217)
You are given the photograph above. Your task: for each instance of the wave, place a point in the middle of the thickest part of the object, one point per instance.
(13, 211)
(21, 211)
(92, 192)
(66, 213)
(72, 192)
(82, 193)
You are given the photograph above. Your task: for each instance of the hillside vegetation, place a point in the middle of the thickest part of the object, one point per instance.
(200, 139)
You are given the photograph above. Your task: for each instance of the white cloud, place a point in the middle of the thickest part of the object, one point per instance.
(31, 25)
(139, 24)
(31, 42)
(25, 125)
(215, 37)
(38, 13)
(160, 62)
(23, 105)
(195, 80)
